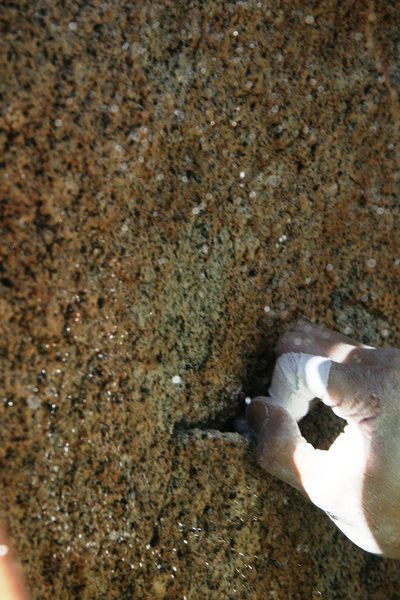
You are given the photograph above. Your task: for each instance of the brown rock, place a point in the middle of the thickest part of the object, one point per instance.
(177, 182)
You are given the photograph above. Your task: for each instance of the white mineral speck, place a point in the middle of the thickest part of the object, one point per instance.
(176, 380)
(274, 181)
(247, 400)
(309, 20)
(72, 25)
(267, 309)
(329, 267)
(371, 263)
(114, 108)
(33, 402)
(58, 123)
(242, 174)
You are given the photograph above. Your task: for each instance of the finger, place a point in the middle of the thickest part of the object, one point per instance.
(277, 436)
(302, 326)
(333, 480)
(297, 379)
(356, 393)
(332, 345)
(353, 392)
(256, 414)
(283, 452)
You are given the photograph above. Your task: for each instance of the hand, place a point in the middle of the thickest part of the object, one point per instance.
(357, 481)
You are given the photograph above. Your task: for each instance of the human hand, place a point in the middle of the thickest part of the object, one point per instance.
(357, 481)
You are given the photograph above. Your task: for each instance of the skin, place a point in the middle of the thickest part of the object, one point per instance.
(357, 481)
(11, 579)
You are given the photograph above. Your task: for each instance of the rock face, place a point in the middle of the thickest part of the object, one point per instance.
(178, 181)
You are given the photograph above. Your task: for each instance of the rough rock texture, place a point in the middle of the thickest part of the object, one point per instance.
(178, 181)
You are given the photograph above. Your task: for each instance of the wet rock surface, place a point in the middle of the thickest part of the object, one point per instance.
(178, 181)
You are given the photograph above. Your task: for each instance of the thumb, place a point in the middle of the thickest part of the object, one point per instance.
(282, 451)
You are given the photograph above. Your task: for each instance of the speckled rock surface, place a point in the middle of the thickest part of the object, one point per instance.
(178, 181)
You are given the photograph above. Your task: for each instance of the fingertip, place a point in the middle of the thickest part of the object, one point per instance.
(256, 414)
(240, 425)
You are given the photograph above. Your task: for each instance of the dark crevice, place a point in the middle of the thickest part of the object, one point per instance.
(223, 425)
(256, 381)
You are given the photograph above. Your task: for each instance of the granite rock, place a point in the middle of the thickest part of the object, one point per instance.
(178, 180)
